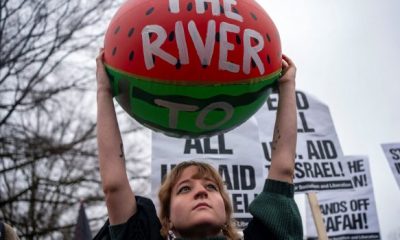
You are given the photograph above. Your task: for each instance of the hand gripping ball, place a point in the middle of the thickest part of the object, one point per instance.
(192, 68)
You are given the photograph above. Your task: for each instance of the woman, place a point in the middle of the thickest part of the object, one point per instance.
(194, 203)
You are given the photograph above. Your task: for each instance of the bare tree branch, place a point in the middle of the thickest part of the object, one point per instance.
(48, 155)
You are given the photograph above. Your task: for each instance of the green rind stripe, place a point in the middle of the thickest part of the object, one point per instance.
(234, 101)
(157, 118)
(246, 98)
(182, 83)
(195, 91)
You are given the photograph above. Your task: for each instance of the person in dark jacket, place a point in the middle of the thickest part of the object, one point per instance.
(193, 201)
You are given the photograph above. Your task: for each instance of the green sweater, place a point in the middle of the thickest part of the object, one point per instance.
(276, 209)
(275, 212)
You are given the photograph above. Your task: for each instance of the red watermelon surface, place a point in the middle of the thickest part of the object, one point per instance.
(192, 68)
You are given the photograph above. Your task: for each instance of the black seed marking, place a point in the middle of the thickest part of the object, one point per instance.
(131, 55)
(178, 64)
(154, 59)
(268, 38)
(253, 16)
(171, 36)
(204, 63)
(256, 41)
(217, 37)
(222, 9)
(253, 64)
(117, 30)
(189, 7)
(112, 79)
(150, 11)
(205, 6)
(169, 9)
(238, 40)
(131, 31)
(204, 66)
(235, 10)
(151, 34)
(268, 59)
(114, 51)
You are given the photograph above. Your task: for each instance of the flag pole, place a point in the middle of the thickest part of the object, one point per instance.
(317, 216)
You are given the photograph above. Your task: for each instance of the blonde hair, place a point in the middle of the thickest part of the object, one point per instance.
(204, 170)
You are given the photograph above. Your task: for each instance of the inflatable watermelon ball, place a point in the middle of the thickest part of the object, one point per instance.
(192, 68)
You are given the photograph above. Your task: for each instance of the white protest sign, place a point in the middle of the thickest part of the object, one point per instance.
(349, 214)
(235, 155)
(392, 153)
(318, 166)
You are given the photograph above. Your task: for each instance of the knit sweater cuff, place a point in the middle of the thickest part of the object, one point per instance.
(275, 186)
(276, 209)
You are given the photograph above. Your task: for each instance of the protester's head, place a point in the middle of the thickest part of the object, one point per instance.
(194, 202)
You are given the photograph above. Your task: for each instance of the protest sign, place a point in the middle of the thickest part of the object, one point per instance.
(349, 214)
(318, 166)
(234, 154)
(392, 153)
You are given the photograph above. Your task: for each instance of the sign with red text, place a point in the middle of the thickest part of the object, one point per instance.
(349, 214)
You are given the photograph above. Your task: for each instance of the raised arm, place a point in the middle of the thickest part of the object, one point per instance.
(285, 132)
(120, 199)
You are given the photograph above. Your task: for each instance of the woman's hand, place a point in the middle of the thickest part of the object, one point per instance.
(288, 72)
(103, 82)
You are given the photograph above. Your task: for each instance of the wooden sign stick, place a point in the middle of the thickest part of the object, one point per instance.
(317, 216)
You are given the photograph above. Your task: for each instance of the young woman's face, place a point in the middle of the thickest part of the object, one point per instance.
(196, 202)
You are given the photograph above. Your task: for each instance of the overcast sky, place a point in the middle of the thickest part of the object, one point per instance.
(347, 53)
